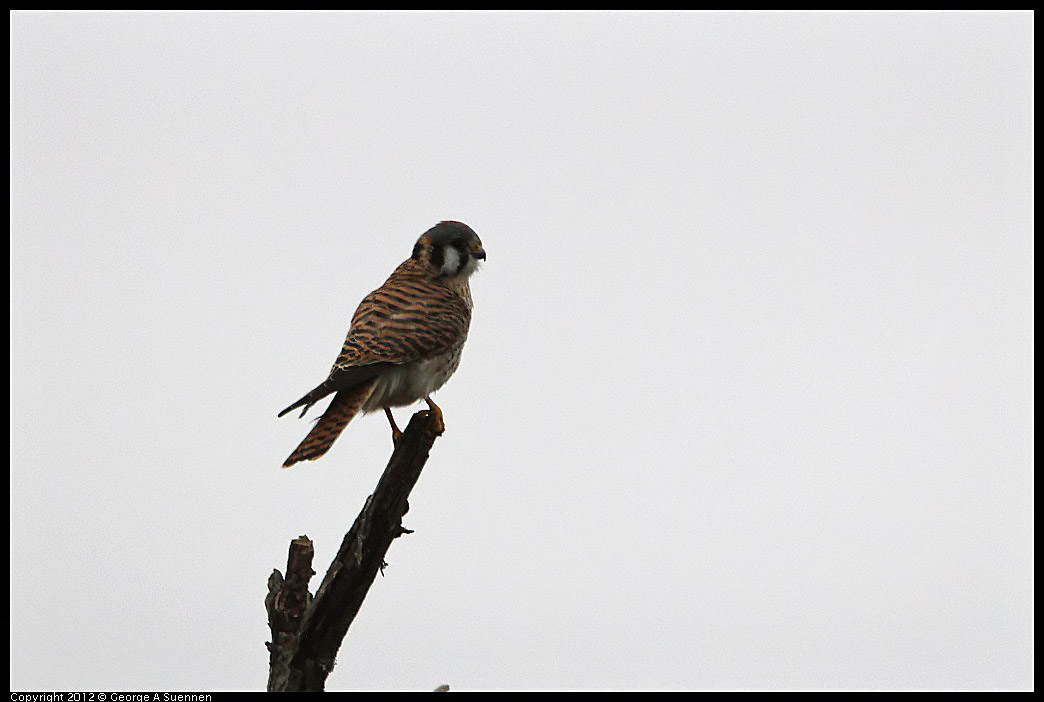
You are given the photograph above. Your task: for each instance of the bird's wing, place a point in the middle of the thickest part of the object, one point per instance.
(407, 319)
(339, 379)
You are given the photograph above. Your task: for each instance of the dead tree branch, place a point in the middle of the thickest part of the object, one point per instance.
(306, 631)
(287, 601)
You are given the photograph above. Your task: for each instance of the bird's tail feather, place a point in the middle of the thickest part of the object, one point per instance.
(345, 405)
(324, 389)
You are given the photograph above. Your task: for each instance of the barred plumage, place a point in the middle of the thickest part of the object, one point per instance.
(405, 338)
(345, 405)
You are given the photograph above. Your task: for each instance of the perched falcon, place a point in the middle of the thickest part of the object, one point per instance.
(405, 339)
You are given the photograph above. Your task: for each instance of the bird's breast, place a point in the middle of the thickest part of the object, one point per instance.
(410, 382)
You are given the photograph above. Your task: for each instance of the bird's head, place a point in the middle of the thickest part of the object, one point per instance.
(449, 250)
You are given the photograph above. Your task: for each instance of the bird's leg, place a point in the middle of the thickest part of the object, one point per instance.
(440, 426)
(396, 434)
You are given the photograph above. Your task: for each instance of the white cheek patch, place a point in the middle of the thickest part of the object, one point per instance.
(450, 262)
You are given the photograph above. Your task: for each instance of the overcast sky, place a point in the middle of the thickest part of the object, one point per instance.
(747, 400)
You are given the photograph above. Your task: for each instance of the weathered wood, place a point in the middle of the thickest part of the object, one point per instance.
(320, 628)
(287, 601)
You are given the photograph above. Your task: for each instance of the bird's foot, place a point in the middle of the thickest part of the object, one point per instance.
(396, 434)
(436, 412)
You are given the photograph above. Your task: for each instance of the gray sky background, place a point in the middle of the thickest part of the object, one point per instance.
(747, 400)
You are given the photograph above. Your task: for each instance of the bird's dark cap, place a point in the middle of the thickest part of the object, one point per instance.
(444, 232)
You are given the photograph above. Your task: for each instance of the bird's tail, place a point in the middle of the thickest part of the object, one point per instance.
(345, 405)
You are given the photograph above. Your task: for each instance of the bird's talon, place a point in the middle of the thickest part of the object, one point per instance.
(438, 425)
(436, 412)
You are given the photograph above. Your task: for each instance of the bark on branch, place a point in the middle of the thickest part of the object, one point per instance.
(307, 631)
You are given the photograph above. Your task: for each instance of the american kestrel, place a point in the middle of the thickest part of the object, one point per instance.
(405, 339)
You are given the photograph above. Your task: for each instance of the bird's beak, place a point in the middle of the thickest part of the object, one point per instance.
(479, 253)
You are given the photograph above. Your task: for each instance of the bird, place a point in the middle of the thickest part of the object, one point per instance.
(404, 341)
